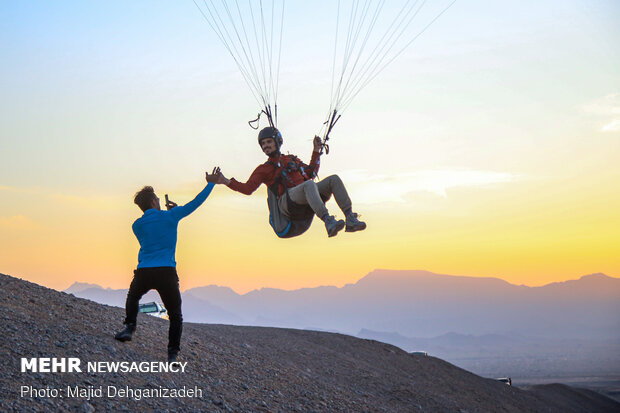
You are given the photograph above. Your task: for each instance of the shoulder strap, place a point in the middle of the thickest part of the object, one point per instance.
(278, 181)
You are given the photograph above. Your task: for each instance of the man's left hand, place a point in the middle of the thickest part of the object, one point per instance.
(170, 205)
(318, 144)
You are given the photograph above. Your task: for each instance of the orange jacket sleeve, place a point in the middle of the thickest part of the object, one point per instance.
(315, 162)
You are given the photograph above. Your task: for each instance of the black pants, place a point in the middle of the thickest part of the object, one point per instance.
(166, 281)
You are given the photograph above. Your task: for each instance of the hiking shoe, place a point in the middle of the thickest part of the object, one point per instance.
(173, 357)
(125, 335)
(332, 226)
(354, 224)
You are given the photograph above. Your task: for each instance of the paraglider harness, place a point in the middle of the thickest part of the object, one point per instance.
(299, 216)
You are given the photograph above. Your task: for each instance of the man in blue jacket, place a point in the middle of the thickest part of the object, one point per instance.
(156, 231)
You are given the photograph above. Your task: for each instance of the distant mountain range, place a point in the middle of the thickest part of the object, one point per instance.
(410, 303)
(485, 325)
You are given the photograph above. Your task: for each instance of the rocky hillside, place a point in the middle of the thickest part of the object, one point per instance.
(237, 368)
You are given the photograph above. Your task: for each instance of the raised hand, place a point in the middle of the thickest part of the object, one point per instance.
(170, 204)
(215, 176)
(318, 143)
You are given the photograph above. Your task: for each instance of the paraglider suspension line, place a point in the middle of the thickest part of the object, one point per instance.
(272, 117)
(334, 117)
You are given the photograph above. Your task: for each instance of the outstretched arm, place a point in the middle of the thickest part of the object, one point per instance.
(257, 178)
(181, 212)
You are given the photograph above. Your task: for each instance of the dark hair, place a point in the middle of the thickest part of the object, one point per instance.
(144, 197)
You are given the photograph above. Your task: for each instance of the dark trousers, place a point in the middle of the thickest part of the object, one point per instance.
(166, 281)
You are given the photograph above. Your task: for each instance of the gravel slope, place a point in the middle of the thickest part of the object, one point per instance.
(242, 368)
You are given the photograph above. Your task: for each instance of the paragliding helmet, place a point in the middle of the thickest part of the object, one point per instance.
(271, 132)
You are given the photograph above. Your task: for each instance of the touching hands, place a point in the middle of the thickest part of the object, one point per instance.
(216, 177)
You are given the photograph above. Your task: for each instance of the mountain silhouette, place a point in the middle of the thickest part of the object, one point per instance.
(418, 304)
(485, 325)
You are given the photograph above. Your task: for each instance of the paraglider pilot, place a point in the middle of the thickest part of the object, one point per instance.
(292, 181)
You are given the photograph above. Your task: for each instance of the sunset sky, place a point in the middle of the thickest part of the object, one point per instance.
(490, 147)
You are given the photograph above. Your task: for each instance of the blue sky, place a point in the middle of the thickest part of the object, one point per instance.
(506, 114)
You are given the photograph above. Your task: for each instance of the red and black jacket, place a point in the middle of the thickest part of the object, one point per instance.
(287, 169)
